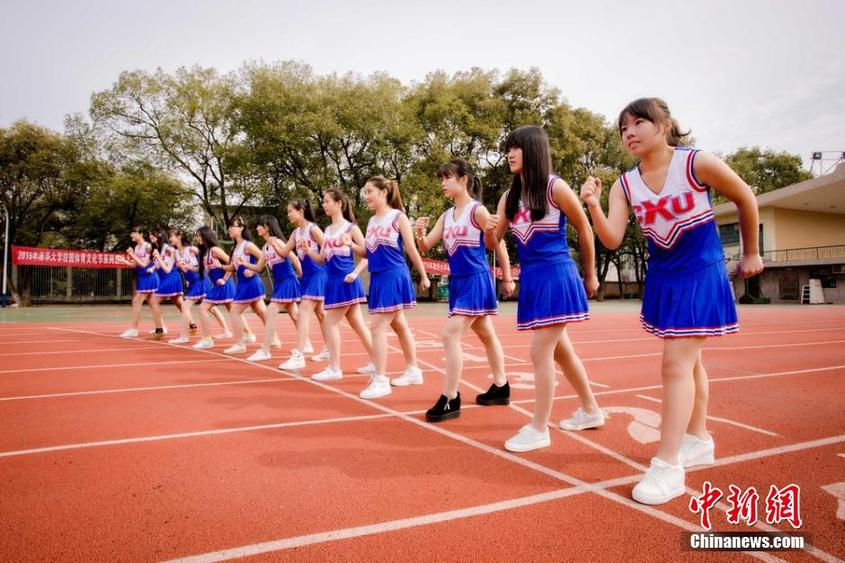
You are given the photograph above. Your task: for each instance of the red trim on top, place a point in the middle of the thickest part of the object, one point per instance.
(693, 182)
(623, 181)
(471, 216)
(550, 192)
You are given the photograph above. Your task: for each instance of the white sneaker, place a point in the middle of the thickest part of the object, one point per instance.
(379, 387)
(249, 338)
(204, 344)
(223, 335)
(259, 356)
(695, 451)
(129, 333)
(369, 368)
(528, 438)
(277, 344)
(296, 361)
(308, 349)
(412, 376)
(661, 483)
(163, 328)
(328, 374)
(236, 348)
(580, 420)
(180, 340)
(323, 356)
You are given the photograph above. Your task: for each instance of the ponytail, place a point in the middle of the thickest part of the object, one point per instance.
(338, 196)
(459, 168)
(305, 206)
(656, 111)
(394, 197)
(270, 223)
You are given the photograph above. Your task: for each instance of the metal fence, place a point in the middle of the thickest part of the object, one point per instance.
(76, 285)
(85, 285)
(803, 254)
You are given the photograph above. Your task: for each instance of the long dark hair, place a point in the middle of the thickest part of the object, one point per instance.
(238, 221)
(305, 206)
(158, 233)
(270, 223)
(394, 198)
(531, 184)
(345, 206)
(181, 234)
(208, 241)
(656, 111)
(459, 168)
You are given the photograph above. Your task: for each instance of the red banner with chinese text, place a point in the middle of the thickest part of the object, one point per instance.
(58, 257)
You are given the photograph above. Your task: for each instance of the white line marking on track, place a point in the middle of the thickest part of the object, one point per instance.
(111, 366)
(718, 419)
(656, 513)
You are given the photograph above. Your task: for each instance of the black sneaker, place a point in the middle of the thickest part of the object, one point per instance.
(495, 395)
(444, 409)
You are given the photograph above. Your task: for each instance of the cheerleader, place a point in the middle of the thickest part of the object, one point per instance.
(687, 294)
(146, 282)
(391, 289)
(170, 282)
(285, 267)
(307, 236)
(472, 295)
(551, 292)
(186, 263)
(249, 293)
(220, 289)
(344, 290)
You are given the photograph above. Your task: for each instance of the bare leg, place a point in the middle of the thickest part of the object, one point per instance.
(542, 357)
(679, 358)
(483, 328)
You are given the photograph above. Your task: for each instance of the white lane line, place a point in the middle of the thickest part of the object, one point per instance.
(52, 352)
(112, 366)
(719, 419)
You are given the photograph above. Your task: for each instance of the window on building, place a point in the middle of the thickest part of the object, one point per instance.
(729, 234)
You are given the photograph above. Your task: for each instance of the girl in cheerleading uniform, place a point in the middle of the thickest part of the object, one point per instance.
(472, 295)
(186, 263)
(220, 289)
(249, 292)
(146, 282)
(344, 290)
(306, 236)
(551, 292)
(391, 289)
(286, 290)
(687, 294)
(170, 282)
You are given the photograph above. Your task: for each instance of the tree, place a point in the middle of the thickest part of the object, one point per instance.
(766, 170)
(183, 123)
(41, 182)
(138, 194)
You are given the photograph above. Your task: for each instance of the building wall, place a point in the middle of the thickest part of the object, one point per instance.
(788, 228)
(826, 229)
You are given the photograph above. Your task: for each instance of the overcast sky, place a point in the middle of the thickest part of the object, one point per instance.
(738, 72)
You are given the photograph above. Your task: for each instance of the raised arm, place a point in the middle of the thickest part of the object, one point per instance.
(358, 247)
(428, 241)
(611, 228)
(496, 225)
(316, 256)
(260, 265)
(222, 259)
(715, 173)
